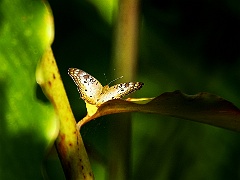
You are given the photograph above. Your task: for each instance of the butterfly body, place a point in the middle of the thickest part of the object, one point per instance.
(93, 92)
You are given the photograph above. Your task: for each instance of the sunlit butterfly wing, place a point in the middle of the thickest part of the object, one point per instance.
(88, 86)
(118, 91)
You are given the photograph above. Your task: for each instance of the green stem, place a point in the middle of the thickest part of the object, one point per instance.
(69, 144)
(124, 61)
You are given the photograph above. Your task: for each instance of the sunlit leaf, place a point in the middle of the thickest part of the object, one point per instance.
(203, 107)
(27, 125)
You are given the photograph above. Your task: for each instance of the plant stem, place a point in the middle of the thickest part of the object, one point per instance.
(124, 61)
(69, 144)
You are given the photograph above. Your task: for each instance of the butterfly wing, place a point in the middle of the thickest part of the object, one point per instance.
(88, 87)
(118, 91)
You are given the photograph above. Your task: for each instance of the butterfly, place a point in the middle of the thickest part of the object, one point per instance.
(91, 90)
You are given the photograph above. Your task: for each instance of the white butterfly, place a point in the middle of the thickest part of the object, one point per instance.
(93, 92)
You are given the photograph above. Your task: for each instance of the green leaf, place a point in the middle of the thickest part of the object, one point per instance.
(203, 107)
(27, 125)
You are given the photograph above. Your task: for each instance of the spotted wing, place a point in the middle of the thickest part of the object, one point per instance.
(118, 91)
(88, 87)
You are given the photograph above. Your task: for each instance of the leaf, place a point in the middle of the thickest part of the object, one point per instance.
(27, 125)
(203, 107)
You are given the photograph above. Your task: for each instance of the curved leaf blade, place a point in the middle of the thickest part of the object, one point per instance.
(203, 107)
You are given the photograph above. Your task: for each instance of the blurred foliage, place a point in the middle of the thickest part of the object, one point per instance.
(28, 126)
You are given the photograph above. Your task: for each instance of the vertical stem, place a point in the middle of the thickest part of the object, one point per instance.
(126, 36)
(69, 144)
(124, 61)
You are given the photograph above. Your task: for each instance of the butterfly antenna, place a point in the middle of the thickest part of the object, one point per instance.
(115, 80)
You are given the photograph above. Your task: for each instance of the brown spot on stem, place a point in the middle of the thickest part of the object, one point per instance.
(49, 83)
(62, 136)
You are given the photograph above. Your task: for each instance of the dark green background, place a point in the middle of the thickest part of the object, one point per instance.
(192, 46)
